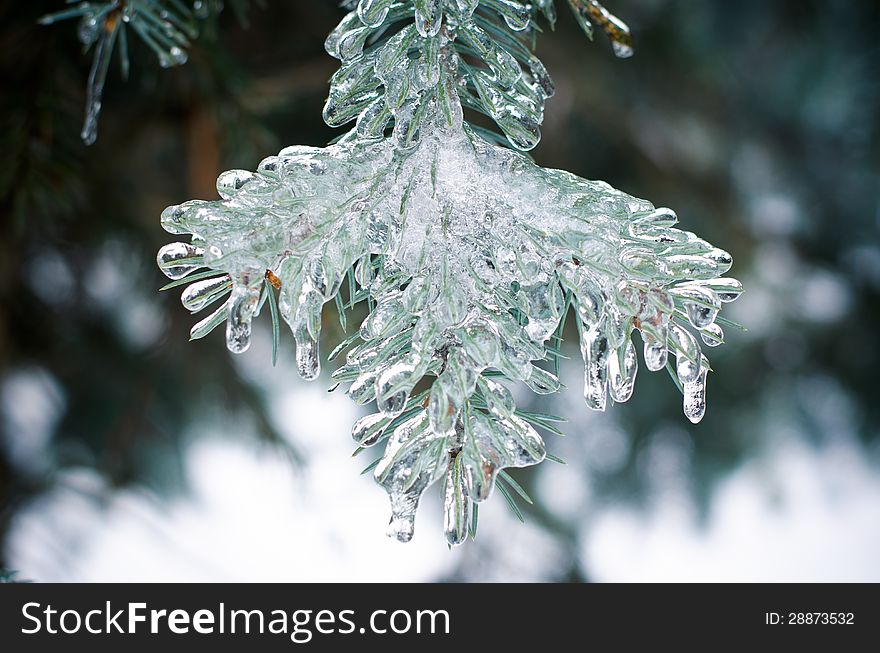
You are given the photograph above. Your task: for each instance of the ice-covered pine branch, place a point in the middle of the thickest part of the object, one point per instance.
(470, 254)
(165, 26)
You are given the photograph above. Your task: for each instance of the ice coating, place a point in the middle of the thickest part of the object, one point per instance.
(469, 251)
(450, 55)
(166, 28)
(471, 256)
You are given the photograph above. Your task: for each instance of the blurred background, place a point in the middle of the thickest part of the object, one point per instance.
(129, 454)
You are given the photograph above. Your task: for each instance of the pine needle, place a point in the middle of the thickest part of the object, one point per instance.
(207, 274)
(276, 321)
(516, 487)
(511, 502)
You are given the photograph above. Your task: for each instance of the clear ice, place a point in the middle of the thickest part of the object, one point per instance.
(165, 27)
(470, 253)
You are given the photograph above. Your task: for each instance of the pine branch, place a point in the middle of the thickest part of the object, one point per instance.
(167, 27)
(467, 254)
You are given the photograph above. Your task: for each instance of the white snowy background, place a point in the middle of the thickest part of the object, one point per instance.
(795, 511)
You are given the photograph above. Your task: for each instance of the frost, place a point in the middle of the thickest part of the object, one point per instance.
(470, 254)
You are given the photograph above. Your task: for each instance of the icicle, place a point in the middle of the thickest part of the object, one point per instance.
(405, 472)
(242, 306)
(695, 394)
(308, 360)
(456, 505)
(98, 72)
(622, 368)
(594, 350)
(306, 327)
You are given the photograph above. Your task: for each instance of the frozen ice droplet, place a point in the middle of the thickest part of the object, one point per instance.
(661, 218)
(442, 412)
(695, 394)
(200, 8)
(232, 181)
(722, 259)
(712, 335)
(726, 288)
(481, 455)
(517, 16)
(177, 260)
(172, 220)
(687, 353)
(499, 401)
(520, 127)
(367, 430)
(490, 445)
(622, 368)
(456, 504)
(428, 16)
(616, 30)
(542, 382)
(656, 351)
(373, 12)
(465, 7)
(202, 293)
(242, 306)
(542, 78)
(589, 301)
(594, 349)
(177, 55)
(701, 304)
(700, 315)
(88, 29)
(363, 388)
(386, 316)
(308, 362)
(410, 464)
(622, 48)
(392, 388)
